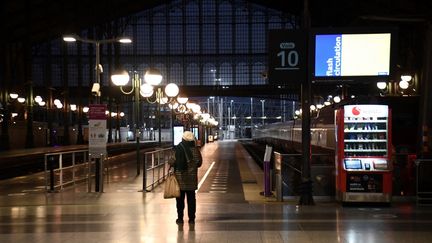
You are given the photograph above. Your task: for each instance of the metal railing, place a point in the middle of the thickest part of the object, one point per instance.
(64, 168)
(157, 166)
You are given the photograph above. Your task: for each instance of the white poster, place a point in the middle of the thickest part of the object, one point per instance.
(97, 131)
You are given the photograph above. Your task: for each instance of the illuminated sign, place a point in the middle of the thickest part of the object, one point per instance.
(338, 55)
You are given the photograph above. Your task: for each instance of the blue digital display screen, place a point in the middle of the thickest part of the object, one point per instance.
(353, 164)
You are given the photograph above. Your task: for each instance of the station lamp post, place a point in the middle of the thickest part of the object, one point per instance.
(97, 85)
(152, 78)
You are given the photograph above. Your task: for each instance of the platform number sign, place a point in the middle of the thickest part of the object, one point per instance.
(287, 56)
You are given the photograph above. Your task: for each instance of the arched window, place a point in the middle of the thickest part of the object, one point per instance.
(257, 70)
(226, 74)
(192, 75)
(242, 77)
(209, 74)
(176, 74)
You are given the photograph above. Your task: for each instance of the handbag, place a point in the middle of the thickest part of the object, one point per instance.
(172, 188)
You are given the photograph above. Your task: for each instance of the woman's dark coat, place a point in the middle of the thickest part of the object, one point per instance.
(187, 172)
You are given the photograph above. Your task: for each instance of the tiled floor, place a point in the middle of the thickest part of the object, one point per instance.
(229, 209)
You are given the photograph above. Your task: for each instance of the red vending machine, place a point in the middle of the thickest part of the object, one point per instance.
(363, 165)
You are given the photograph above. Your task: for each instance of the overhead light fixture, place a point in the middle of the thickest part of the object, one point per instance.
(182, 100)
(146, 90)
(125, 40)
(120, 77)
(171, 90)
(153, 76)
(403, 84)
(69, 38)
(381, 85)
(38, 99)
(406, 78)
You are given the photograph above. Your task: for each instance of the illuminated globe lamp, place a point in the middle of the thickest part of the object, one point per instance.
(13, 95)
(381, 85)
(173, 105)
(196, 109)
(38, 99)
(171, 90)
(406, 78)
(73, 107)
(153, 77)
(403, 84)
(21, 100)
(120, 78)
(146, 90)
(182, 100)
(182, 103)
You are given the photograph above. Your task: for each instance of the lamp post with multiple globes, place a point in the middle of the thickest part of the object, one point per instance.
(152, 79)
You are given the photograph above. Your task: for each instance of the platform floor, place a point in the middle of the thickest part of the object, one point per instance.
(229, 209)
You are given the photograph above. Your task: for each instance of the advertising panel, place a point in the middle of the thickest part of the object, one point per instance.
(97, 131)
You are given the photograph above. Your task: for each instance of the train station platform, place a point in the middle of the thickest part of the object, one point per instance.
(229, 209)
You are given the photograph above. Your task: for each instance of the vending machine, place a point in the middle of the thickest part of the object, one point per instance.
(363, 165)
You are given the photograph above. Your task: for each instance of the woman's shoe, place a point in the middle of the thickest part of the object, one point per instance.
(179, 221)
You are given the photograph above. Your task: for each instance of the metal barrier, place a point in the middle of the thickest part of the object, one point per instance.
(424, 181)
(287, 174)
(65, 168)
(156, 167)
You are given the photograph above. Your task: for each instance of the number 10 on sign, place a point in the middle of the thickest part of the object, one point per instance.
(289, 59)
